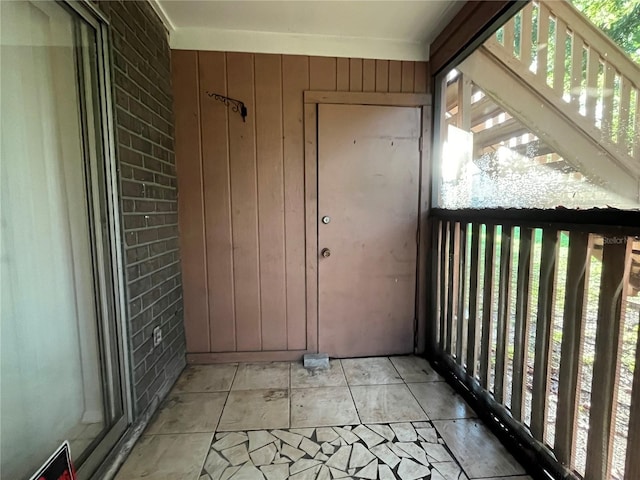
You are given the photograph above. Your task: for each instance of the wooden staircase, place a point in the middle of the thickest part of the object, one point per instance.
(553, 88)
(574, 109)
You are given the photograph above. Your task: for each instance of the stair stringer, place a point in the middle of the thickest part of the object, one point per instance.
(549, 124)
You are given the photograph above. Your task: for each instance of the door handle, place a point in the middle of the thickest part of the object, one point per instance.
(325, 252)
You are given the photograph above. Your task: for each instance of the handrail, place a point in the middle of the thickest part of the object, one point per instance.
(594, 37)
(606, 95)
(571, 286)
(592, 219)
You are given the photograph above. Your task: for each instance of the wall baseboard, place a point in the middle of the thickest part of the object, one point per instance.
(231, 357)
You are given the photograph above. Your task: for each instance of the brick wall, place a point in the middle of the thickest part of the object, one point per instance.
(145, 157)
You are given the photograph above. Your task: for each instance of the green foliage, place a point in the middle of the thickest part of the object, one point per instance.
(628, 357)
(588, 359)
(619, 19)
(557, 336)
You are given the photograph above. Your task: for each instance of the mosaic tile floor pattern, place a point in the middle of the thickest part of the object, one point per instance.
(405, 451)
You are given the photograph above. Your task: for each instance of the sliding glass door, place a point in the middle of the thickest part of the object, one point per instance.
(61, 355)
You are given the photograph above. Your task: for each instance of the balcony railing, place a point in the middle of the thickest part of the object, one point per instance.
(540, 319)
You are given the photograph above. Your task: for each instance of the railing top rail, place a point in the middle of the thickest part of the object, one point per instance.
(594, 220)
(595, 38)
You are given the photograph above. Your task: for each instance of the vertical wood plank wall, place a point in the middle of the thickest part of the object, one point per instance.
(241, 190)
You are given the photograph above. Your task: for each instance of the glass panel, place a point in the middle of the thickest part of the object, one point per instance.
(618, 19)
(545, 120)
(52, 360)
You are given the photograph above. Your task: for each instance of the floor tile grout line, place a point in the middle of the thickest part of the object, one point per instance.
(420, 405)
(167, 434)
(235, 375)
(378, 383)
(417, 401)
(226, 400)
(355, 405)
(475, 417)
(206, 454)
(453, 456)
(397, 371)
(344, 375)
(290, 395)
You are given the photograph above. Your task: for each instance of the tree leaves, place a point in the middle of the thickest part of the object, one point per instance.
(618, 19)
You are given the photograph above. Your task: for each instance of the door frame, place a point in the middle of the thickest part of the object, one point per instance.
(114, 324)
(312, 98)
(114, 257)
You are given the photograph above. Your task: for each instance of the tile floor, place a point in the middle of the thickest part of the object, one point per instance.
(372, 418)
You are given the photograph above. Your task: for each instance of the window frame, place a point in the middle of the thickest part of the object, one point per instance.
(439, 92)
(102, 180)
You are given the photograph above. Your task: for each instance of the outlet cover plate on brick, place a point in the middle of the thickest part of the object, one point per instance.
(157, 336)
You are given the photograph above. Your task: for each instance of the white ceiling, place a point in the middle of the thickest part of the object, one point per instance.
(395, 30)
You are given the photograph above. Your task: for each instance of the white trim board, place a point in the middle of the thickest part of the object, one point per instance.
(164, 18)
(296, 44)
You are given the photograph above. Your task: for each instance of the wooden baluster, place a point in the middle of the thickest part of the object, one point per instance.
(623, 114)
(487, 305)
(451, 97)
(444, 282)
(593, 69)
(575, 300)
(461, 320)
(542, 55)
(456, 288)
(577, 50)
(474, 279)
(546, 294)
(560, 40)
(509, 37)
(463, 118)
(632, 464)
(436, 281)
(636, 130)
(496, 37)
(526, 29)
(452, 305)
(521, 334)
(444, 287)
(504, 289)
(616, 260)
(607, 101)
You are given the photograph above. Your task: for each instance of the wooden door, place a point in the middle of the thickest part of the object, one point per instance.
(368, 184)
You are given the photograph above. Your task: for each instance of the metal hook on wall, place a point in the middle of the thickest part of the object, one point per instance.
(236, 105)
